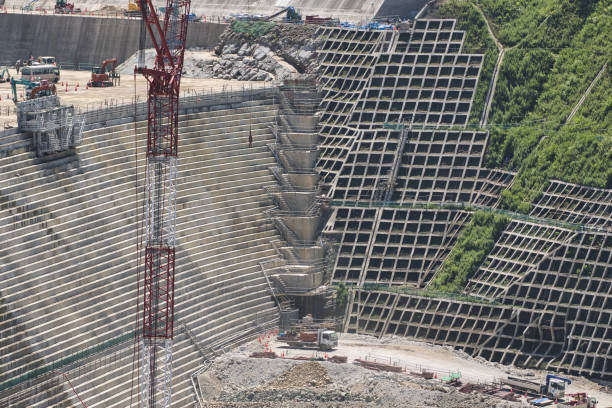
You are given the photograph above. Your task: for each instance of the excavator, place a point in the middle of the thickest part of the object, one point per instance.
(63, 7)
(33, 89)
(133, 10)
(292, 15)
(101, 77)
(4, 75)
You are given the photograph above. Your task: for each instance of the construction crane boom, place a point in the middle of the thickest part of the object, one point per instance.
(168, 38)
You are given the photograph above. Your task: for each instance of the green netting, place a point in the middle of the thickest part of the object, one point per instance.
(252, 28)
(37, 372)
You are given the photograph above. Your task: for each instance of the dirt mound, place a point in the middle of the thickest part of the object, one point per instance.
(311, 374)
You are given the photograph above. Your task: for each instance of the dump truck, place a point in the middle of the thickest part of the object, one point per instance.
(322, 339)
(554, 387)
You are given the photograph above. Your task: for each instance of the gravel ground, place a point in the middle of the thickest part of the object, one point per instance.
(236, 380)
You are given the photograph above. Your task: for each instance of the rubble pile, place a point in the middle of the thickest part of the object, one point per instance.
(236, 380)
(286, 50)
(311, 374)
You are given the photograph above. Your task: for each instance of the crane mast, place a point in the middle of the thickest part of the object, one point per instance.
(159, 234)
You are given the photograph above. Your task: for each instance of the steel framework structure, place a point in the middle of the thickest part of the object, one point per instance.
(168, 38)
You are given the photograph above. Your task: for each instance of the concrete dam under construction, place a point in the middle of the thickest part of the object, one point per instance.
(350, 174)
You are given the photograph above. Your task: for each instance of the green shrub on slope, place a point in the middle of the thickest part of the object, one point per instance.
(473, 244)
(477, 40)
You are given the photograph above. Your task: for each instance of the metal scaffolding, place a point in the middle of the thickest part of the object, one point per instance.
(54, 128)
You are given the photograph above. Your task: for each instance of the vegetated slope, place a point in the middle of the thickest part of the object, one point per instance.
(474, 243)
(477, 41)
(554, 50)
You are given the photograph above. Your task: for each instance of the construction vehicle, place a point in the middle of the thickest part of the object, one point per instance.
(554, 387)
(579, 400)
(29, 6)
(46, 60)
(322, 339)
(63, 7)
(5, 76)
(133, 10)
(292, 16)
(33, 89)
(104, 75)
(191, 17)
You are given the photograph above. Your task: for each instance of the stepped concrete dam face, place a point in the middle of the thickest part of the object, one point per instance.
(364, 178)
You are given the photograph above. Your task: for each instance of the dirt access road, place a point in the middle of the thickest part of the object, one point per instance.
(418, 355)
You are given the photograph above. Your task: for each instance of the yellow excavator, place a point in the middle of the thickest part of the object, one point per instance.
(133, 10)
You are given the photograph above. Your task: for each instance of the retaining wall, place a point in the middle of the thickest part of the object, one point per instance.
(90, 40)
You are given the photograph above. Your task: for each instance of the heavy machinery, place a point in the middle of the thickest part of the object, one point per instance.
(5, 76)
(133, 10)
(101, 77)
(33, 90)
(192, 17)
(554, 387)
(63, 7)
(157, 251)
(579, 400)
(292, 15)
(322, 339)
(29, 6)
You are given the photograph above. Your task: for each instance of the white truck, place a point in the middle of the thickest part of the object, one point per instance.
(554, 387)
(322, 339)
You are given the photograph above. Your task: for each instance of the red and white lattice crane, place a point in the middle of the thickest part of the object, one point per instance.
(158, 237)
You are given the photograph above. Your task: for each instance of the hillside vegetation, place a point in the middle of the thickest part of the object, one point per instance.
(473, 244)
(477, 41)
(554, 49)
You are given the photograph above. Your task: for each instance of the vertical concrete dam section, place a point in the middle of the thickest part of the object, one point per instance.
(352, 10)
(73, 39)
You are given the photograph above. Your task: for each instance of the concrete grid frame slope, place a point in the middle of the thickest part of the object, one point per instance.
(69, 230)
(541, 299)
(542, 296)
(372, 80)
(392, 246)
(416, 76)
